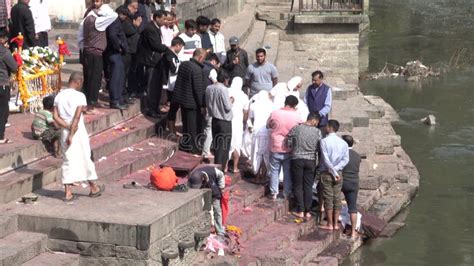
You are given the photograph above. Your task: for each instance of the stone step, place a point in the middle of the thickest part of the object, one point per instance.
(25, 149)
(271, 245)
(243, 194)
(255, 39)
(262, 213)
(271, 42)
(240, 25)
(56, 259)
(303, 250)
(41, 173)
(8, 225)
(341, 249)
(20, 247)
(286, 65)
(396, 198)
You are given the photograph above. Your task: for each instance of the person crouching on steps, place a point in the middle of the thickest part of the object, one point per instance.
(213, 178)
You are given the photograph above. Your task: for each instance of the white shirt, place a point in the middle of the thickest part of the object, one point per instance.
(104, 18)
(335, 153)
(40, 15)
(218, 42)
(190, 45)
(67, 102)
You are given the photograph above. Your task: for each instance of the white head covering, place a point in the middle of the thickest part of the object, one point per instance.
(236, 86)
(293, 83)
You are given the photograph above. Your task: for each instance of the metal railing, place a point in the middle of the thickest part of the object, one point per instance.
(352, 6)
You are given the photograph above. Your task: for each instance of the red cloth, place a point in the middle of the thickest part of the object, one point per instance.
(64, 50)
(225, 206)
(19, 41)
(164, 178)
(18, 59)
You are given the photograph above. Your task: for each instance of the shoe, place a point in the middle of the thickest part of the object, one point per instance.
(118, 106)
(129, 101)
(153, 114)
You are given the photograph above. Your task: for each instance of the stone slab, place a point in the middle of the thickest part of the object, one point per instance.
(255, 40)
(239, 25)
(395, 199)
(21, 247)
(150, 214)
(56, 259)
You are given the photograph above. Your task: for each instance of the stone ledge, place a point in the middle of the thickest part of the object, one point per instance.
(330, 19)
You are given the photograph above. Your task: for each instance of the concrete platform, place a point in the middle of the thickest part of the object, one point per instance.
(121, 220)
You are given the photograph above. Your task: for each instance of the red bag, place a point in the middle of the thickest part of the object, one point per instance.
(225, 206)
(164, 178)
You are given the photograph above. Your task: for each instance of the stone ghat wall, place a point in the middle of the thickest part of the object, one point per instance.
(188, 9)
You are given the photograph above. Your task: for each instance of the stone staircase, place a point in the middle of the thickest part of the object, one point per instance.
(388, 178)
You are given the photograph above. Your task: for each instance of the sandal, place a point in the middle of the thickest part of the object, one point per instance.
(73, 198)
(132, 185)
(98, 193)
(6, 141)
(297, 215)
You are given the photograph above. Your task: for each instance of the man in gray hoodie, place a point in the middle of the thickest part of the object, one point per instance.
(7, 66)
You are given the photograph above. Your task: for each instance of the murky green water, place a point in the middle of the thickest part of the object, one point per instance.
(440, 222)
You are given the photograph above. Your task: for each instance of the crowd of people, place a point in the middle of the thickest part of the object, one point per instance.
(231, 109)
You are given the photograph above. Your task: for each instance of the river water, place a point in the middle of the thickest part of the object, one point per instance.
(440, 221)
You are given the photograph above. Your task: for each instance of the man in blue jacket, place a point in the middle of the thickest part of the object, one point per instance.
(318, 98)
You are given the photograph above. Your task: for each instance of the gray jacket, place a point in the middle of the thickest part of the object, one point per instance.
(7, 66)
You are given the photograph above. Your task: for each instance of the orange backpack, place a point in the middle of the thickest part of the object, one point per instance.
(164, 178)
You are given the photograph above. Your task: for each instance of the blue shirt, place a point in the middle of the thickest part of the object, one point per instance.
(335, 154)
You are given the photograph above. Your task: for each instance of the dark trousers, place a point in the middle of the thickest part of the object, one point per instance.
(116, 84)
(136, 76)
(192, 131)
(221, 137)
(153, 89)
(303, 173)
(174, 107)
(127, 61)
(42, 39)
(4, 109)
(93, 67)
(350, 188)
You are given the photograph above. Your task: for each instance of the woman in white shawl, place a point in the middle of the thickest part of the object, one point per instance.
(239, 111)
(261, 106)
(283, 90)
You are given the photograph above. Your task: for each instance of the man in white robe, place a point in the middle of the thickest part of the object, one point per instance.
(69, 106)
(240, 113)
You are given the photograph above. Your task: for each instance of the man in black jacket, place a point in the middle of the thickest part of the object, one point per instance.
(237, 59)
(189, 93)
(130, 26)
(117, 46)
(151, 49)
(22, 21)
(136, 74)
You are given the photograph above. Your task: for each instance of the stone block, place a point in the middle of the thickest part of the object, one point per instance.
(396, 140)
(391, 229)
(370, 182)
(323, 260)
(361, 121)
(8, 225)
(100, 261)
(131, 253)
(83, 248)
(385, 147)
(371, 225)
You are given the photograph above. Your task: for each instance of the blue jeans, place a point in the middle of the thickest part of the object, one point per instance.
(277, 161)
